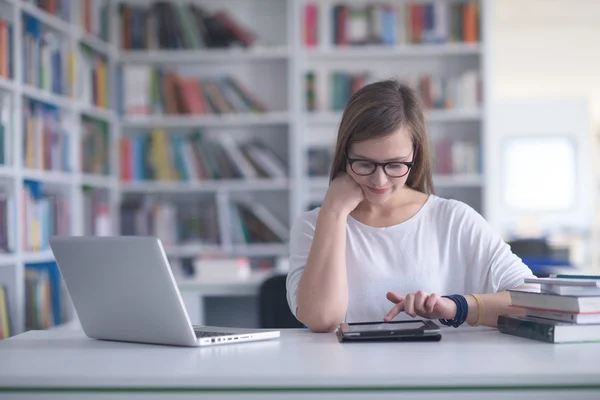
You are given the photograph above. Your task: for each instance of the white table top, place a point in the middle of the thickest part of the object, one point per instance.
(464, 358)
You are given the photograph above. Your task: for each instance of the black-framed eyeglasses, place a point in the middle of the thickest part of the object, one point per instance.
(393, 169)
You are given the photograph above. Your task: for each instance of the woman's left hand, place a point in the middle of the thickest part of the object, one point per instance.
(423, 304)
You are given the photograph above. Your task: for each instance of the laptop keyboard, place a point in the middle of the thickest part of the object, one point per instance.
(211, 334)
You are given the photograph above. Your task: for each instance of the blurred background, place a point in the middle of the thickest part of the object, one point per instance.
(211, 124)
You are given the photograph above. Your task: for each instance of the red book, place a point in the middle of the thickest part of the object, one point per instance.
(241, 34)
(193, 100)
(418, 22)
(310, 24)
(470, 22)
(87, 23)
(342, 18)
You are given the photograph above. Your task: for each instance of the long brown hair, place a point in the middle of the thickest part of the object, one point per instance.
(380, 109)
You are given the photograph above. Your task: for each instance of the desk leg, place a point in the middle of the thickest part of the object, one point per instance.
(194, 304)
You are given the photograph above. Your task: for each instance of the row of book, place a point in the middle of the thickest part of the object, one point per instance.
(464, 91)
(174, 222)
(51, 63)
(174, 25)
(7, 224)
(186, 223)
(95, 146)
(148, 90)
(45, 214)
(48, 61)
(456, 156)
(396, 24)
(558, 309)
(59, 8)
(449, 156)
(6, 49)
(5, 318)
(44, 303)
(196, 156)
(46, 143)
(253, 223)
(92, 72)
(92, 15)
(96, 212)
(436, 92)
(319, 161)
(43, 296)
(93, 18)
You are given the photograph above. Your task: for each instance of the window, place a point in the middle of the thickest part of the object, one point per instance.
(539, 173)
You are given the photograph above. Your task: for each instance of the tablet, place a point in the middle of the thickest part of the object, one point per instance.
(410, 330)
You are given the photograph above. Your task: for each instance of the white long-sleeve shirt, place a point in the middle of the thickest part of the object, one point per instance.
(446, 248)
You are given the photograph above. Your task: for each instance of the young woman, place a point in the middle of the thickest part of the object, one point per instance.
(382, 244)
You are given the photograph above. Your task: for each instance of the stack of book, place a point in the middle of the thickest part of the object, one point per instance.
(565, 309)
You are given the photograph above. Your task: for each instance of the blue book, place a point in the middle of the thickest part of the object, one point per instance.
(34, 187)
(388, 26)
(178, 155)
(51, 268)
(429, 28)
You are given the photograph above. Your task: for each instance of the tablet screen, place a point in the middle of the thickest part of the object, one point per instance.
(386, 326)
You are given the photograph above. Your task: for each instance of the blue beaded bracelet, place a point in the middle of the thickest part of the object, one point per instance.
(462, 309)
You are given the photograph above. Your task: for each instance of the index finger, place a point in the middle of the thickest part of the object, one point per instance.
(397, 309)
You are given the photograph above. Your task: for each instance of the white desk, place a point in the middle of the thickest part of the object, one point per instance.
(469, 363)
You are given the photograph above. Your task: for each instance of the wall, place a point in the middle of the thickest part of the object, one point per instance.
(547, 47)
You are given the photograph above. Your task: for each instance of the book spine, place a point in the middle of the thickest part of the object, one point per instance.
(526, 329)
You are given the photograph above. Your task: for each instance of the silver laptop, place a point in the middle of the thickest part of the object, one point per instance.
(123, 289)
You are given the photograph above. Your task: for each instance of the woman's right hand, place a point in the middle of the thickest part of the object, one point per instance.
(343, 194)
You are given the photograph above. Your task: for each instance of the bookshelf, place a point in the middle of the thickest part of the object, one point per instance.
(265, 70)
(201, 201)
(340, 50)
(47, 99)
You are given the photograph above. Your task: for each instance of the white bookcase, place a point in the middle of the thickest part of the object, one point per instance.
(13, 173)
(275, 70)
(398, 61)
